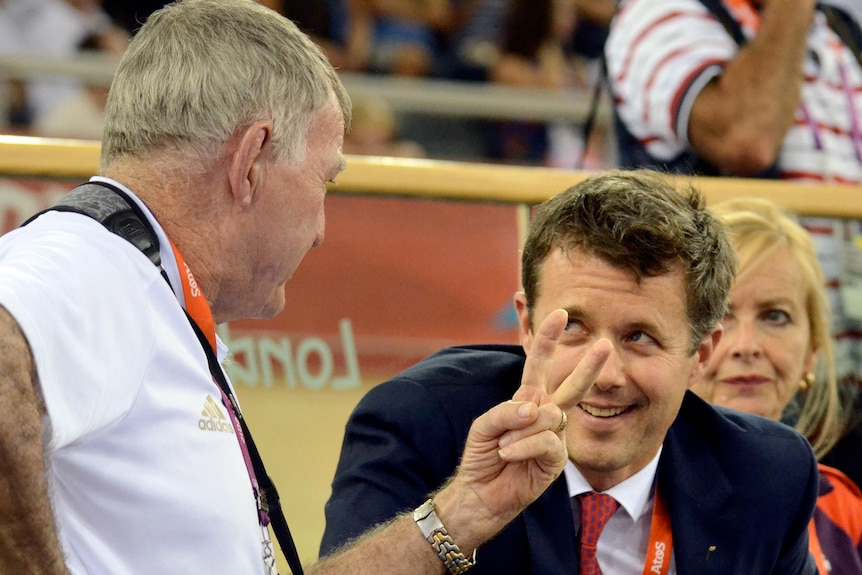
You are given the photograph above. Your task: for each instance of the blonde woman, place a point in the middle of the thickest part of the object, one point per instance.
(775, 343)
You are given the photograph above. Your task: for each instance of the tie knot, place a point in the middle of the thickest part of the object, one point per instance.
(596, 509)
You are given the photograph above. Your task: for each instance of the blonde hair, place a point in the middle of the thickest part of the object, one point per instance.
(757, 227)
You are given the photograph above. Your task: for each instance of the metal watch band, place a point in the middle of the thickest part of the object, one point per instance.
(434, 531)
(455, 561)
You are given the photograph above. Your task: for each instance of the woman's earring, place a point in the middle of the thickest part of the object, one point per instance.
(807, 381)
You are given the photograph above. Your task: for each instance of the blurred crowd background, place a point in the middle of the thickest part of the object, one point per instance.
(547, 45)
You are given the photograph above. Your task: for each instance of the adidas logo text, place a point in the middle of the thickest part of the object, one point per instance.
(213, 419)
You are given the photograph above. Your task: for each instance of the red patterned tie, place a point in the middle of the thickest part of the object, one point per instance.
(596, 509)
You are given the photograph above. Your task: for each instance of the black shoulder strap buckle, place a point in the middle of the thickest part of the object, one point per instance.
(115, 210)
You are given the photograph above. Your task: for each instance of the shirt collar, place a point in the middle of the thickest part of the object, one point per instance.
(634, 494)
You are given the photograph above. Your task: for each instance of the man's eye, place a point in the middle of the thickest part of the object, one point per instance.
(640, 337)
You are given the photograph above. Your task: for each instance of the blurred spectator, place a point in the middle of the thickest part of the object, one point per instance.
(530, 53)
(374, 131)
(396, 37)
(473, 47)
(325, 21)
(131, 14)
(533, 43)
(787, 100)
(536, 47)
(481, 27)
(50, 29)
(82, 115)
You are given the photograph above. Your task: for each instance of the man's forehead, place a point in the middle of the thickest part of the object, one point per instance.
(580, 257)
(566, 272)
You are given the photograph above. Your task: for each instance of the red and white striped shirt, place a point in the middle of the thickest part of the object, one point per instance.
(661, 53)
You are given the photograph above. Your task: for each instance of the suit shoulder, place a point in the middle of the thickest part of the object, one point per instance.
(482, 376)
(466, 366)
(743, 436)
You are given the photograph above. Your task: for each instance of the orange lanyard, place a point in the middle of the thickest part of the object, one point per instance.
(196, 303)
(660, 538)
(199, 311)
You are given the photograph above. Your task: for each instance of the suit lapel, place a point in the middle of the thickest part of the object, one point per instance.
(698, 493)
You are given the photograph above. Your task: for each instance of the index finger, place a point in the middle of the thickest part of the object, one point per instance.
(540, 358)
(576, 385)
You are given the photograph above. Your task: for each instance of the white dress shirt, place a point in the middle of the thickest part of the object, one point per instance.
(622, 546)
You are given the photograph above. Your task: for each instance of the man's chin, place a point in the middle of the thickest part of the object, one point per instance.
(275, 305)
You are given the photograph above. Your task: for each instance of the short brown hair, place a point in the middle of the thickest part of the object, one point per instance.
(638, 221)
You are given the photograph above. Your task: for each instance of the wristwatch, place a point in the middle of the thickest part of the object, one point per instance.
(432, 529)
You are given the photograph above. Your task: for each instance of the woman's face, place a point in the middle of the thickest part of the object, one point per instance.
(766, 348)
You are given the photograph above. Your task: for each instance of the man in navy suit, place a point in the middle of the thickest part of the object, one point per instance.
(643, 273)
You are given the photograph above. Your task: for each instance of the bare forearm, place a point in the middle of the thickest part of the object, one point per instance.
(740, 119)
(398, 547)
(28, 539)
(395, 548)
(490, 488)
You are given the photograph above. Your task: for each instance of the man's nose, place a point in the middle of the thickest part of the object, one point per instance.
(613, 371)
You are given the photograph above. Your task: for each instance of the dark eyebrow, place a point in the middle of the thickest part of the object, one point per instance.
(645, 326)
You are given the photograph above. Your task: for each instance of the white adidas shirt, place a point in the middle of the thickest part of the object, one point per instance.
(146, 474)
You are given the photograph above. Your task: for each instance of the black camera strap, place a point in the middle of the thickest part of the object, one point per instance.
(115, 210)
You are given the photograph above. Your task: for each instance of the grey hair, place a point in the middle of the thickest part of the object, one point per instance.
(200, 71)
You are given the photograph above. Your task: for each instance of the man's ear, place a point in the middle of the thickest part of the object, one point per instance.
(246, 161)
(703, 355)
(524, 329)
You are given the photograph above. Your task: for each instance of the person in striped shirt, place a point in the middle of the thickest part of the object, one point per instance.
(784, 98)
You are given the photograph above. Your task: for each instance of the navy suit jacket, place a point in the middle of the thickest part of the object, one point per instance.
(741, 485)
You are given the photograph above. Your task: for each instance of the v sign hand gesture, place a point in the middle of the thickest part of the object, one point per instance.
(515, 450)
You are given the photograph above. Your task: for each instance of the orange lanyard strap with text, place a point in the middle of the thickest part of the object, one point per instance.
(196, 303)
(201, 316)
(660, 538)
(268, 504)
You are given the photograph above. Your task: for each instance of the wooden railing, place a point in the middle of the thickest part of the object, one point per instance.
(76, 159)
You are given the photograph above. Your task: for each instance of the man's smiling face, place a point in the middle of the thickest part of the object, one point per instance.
(620, 424)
